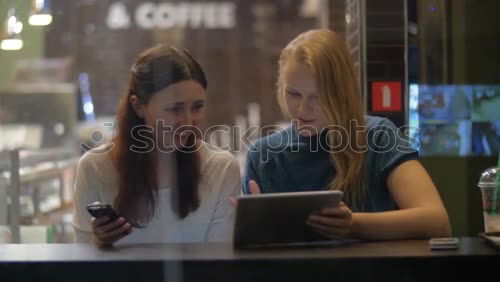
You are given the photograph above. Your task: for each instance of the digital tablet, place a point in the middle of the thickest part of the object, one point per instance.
(279, 218)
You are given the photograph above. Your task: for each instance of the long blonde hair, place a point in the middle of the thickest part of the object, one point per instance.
(330, 62)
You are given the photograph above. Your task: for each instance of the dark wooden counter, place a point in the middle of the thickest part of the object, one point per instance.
(368, 261)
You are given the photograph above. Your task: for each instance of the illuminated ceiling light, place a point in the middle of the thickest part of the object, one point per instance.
(40, 19)
(11, 44)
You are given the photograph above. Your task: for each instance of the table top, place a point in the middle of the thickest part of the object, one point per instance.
(469, 246)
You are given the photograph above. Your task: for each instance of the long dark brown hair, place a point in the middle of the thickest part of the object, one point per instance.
(154, 70)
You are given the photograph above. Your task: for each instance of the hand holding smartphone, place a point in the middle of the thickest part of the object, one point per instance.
(107, 226)
(97, 209)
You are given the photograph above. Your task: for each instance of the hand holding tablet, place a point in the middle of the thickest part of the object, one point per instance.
(332, 222)
(281, 218)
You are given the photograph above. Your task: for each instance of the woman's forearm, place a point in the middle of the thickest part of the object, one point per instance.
(407, 223)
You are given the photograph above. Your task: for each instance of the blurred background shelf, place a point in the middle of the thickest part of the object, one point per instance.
(37, 187)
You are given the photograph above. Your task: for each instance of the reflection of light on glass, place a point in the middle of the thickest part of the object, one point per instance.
(88, 107)
(465, 132)
(13, 25)
(310, 8)
(414, 130)
(348, 18)
(413, 96)
(253, 114)
(39, 4)
(17, 27)
(59, 128)
(486, 146)
(413, 119)
(41, 15)
(14, 28)
(496, 126)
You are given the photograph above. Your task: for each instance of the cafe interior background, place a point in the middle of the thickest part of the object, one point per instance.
(431, 64)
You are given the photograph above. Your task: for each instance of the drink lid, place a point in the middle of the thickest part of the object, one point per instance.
(489, 177)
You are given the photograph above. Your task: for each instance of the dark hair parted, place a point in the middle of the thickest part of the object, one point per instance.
(154, 70)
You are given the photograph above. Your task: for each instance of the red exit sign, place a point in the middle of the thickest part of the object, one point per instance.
(386, 96)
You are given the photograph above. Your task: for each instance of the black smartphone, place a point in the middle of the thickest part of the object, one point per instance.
(98, 209)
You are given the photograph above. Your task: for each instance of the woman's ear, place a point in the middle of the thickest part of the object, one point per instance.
(137, 105)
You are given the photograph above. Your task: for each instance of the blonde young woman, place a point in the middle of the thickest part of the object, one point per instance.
(331, 144)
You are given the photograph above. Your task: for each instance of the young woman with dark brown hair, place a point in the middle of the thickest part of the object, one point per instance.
(157, 172)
